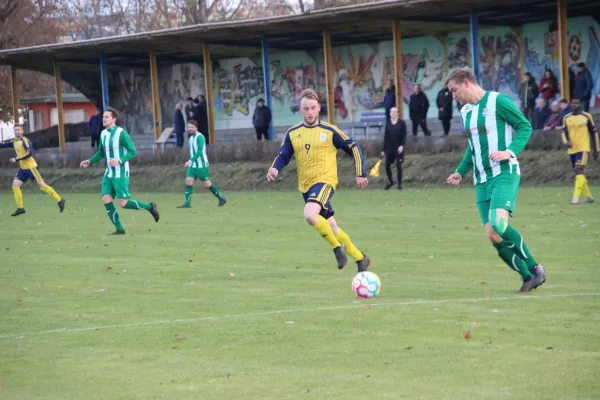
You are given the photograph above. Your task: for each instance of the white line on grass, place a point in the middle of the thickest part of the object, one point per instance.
(299, 310)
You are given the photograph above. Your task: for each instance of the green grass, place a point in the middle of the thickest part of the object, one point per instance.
(199, 305)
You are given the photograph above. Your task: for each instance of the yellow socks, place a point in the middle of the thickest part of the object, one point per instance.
(322, 226)
(18, 197)
(48, 189)
(578, 187)
(585, 190)
(351, 249)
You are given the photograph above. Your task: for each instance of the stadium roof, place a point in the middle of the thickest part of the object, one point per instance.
(351, 24)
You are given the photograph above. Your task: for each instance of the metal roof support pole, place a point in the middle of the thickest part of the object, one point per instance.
(59, 106)
(15, 94)
(398, 68)
(267, 80)
(104, 83)
(474, 44)
(328, 61)
(155, 95)
(563, 54)
(208, 88)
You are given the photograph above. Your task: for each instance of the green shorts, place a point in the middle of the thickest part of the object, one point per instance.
(198, 173)
(499, 192)
(116, 187)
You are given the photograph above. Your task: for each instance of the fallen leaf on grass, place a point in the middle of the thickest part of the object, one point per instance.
(180, 339)
(473, 323)
(174, 347)
(231, 274)
(483, 283)
(467, 335)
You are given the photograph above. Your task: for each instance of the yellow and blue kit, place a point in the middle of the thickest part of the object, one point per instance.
(580, 132)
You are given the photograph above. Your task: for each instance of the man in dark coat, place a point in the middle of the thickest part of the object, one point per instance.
(389, 98)
(179, 125)
(418, 106)
(394, 140)
(261, 120)
(95, 127)
(202, 117)
(583, 86)
(444, 104)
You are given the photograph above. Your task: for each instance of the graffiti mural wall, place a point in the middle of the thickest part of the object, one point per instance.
(583, 45)
(360, 73)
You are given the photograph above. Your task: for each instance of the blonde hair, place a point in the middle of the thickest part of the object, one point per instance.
(309, 94)
(459, 75)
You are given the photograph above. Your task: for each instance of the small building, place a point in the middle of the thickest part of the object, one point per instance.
(42, 112)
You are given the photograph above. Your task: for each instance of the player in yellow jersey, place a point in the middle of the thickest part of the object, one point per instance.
(580, 136)
(314, 144)
(28, 170)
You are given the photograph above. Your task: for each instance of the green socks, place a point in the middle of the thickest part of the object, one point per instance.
(188, 194)
(113, 215)
(215, 190)
(511, 259)
(516, 243)
(137, 205)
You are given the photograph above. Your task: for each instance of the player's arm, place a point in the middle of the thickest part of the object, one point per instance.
(201, 141)
(466, 164)
(26, 146)
(343, 141)
(6, 144)
(565, 130)
(285, 153)
(515, 118)
(99, 155)
(593, 134)
(125, 141)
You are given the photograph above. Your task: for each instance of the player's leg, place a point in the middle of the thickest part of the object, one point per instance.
(316, 198)
(362, 260)
(581, 185)
(16, 187)
(190, 177)
(204, 176)
(48, 189)
(108, 194)
(389, 159)
(501, 246)
(399, 162)
(121, 186)
(502, 206)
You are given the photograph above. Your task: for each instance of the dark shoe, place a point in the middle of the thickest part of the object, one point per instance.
(154, 211)
(222, 202)
(539, 276)
(399, 187)
(18, 211)
(184, 206)
(115, 233)
(340, 256)
(528, 284)
(61, 205)
(388, 185)
(364, 264)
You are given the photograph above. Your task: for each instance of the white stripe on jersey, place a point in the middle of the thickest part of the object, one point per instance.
(474, 133)
(115, 146)
(491, 127)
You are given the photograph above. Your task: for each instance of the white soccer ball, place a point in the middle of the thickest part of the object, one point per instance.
(366, 284)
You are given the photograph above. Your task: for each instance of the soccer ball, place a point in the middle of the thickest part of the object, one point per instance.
(366, 284)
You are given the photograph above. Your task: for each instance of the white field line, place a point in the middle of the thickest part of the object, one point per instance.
(298, 310)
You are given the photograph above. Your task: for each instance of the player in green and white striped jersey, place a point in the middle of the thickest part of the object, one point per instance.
(116, 146)
(197, 167)
(497, 133)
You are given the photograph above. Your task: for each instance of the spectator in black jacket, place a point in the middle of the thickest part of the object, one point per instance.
(393, 147)
(584, 85)
(179, 125)
(444, 104)
(389, 98)
(95, 127)
(202, 116)
(261, 120)
(418, 106)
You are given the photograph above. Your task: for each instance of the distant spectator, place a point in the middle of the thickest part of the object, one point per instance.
(583, 86)
(528, 93)
(553, 121)
(189, 109)
(565, 108)
(261, 120)
(540, 114)
(95, 126)
(418, 106)
(549, 86)
(389, 98)
(394, 140)
(179, 125)
(202, 116)
(444, 104)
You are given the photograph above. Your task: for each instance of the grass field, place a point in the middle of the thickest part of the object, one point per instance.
(245, 301)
